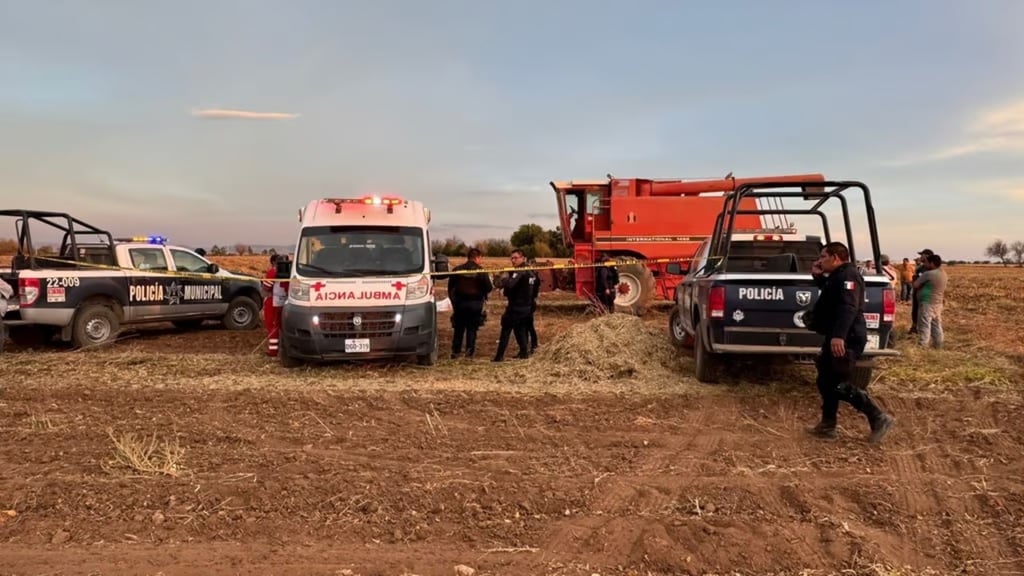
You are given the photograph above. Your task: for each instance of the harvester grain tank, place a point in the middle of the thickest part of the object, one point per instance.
(638, 218)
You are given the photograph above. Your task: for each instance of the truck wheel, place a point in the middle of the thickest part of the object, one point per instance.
(861, 377)
(429, 359)
(636, 288)
(680, 339)
(187, 324)
(242, 314)
(95, 324)
(707, 363)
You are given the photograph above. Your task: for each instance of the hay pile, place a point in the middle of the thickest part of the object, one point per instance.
(614, 346)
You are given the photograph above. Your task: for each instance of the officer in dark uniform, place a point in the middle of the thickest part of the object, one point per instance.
(468, 293)
(606, 284)
(531, 328)
(838, 315)
(519, 289)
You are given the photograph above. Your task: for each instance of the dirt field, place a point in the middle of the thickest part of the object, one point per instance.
(612, 460)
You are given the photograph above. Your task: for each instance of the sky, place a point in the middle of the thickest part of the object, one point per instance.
(108, 108)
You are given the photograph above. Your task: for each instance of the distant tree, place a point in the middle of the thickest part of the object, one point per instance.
(218, 251)
(8, 246)
(271, 252)
(1018, 252)
(453, 246)
(46, 250)
(998, 250)
(494, 247)
(536, 242)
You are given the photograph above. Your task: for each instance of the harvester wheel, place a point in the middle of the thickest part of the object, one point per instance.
(636, 288)
(680, 339)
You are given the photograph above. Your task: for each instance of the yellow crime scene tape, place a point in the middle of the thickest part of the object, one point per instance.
(502, 270)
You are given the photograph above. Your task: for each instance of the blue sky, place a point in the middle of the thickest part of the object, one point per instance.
(473, 107)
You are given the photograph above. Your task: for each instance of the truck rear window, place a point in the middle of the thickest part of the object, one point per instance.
(788, 257)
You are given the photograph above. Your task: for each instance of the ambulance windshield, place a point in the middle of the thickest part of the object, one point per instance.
(356, 251)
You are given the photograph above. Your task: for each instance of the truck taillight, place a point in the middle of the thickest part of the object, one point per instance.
(888, 305)
(716, 302)
(768, 237)
(28, 290)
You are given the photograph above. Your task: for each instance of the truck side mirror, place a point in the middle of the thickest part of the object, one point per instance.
(440, 263)
(674, 269)
(213, 268)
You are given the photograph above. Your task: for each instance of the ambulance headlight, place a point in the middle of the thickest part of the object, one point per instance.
(299, 291)
(418, 289)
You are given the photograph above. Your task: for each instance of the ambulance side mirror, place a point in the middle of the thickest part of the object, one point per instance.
(440, 263)
(283, 268)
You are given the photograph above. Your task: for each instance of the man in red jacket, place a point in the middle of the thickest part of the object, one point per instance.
(271, 312)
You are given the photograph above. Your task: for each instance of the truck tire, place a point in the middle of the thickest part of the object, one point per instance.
(636, 288)
(706, 362)
(861, 377)
(243, 314)
(680, 339)
(95, 324)
(188, 324)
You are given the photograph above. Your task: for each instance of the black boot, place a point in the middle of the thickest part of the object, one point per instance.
(826, 428)
(880, 426)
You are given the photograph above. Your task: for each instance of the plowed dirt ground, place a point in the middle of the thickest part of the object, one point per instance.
(511, 468)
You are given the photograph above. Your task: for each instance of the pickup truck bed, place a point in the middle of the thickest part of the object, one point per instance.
(761, 313)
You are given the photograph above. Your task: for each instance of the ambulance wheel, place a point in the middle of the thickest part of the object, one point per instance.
(636, 288)
(428, 359)
(96, 323)
(286, 359)
(243, 314)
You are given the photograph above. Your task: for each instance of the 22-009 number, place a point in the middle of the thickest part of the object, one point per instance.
(63, 282)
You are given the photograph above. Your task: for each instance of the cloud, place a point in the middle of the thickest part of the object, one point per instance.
(1007, 189)
(998, 129)
(222, 113)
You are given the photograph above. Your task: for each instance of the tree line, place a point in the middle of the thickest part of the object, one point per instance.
(1006, 252)
(532, 239)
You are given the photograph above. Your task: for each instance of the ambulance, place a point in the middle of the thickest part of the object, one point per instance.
(360, 283)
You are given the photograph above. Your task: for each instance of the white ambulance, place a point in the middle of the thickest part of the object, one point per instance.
(360, 284)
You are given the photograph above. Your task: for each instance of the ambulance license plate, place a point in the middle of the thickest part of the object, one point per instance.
(357, 345)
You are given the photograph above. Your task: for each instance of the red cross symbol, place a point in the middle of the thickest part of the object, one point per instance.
(398, 285)
(318, 286)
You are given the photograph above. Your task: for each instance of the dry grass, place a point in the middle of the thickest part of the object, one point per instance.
(146, 455)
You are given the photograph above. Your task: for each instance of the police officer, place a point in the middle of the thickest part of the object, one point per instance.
(838, 315)
(519, 289)
(531, 328)
(468, 293)
(606, 284)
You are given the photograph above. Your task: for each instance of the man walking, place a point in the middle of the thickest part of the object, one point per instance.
(931, 286)
(468, 293)
(838, 315)
(519, 289)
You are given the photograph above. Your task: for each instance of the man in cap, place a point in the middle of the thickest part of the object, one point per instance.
(922, 263)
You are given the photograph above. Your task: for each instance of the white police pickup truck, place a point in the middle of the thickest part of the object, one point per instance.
(95, 284)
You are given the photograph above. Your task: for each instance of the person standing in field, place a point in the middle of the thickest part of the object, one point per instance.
(269, 284)
(518, 287)
(890, 272)
(922, 258)
(907, 273)
(838, 315)
(606, 284)
(468, 293)
(931, 285)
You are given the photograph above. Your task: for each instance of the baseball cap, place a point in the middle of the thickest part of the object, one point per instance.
(925, 252)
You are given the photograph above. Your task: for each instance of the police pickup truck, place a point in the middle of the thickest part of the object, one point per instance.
(95, 284)
(748, 291)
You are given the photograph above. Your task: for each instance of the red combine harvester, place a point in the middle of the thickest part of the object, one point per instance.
(636, 218)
